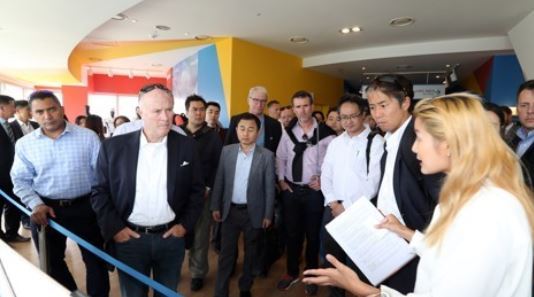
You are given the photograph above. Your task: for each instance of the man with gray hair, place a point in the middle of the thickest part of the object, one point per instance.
(149, 194)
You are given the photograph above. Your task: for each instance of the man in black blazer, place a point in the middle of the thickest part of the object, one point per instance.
(149, 193)
(523, 142)
(7, 149)
(404, 191)
(270, 131)
(22, 124)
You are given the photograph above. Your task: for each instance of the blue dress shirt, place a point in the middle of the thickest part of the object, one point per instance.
(62, 168)
(242, 171)
(527, 139)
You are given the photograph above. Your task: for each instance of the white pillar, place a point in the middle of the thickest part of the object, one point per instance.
(522, 39)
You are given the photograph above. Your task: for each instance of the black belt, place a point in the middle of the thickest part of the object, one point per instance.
(65, 202)
(239, 206)
(149, 229)
(297, 186)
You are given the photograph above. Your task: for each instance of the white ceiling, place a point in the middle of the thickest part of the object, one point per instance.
(41, 34)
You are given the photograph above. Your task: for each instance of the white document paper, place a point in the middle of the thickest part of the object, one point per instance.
(378, 253)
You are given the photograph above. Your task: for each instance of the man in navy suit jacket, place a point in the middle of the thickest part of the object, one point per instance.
(22, 125)
(404, 191)
(149, 193)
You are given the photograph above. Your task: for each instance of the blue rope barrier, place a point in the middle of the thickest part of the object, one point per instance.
(101, 254)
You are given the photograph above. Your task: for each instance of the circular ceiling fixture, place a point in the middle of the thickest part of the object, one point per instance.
(202, 37)
(299, 39)
(162, 27)
(344, 30)
(401, 22)
(355, 29)
(119, 17)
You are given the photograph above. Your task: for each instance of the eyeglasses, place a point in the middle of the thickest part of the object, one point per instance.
(258, 101)
(152, 87)
(350, 117)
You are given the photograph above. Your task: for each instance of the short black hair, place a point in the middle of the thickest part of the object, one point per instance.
(528, 85)
(285, 107)
(302, 94)
(507, 110)
(393, 85)
(362, 104)
(42, 95)
(496, 109)
(318, 112)
(213, 103)
(5, 100)
(330, 110)
(124, 118)
(21, 104)
(194, 98)
(79, 119)
(247, 116)
(272, 102)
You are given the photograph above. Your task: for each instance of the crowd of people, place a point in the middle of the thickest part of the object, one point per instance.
(451, 174)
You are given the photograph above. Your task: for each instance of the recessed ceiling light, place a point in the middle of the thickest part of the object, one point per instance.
(401, 22)
(437, 76)
(344, 30)
(363, 68)
(110, 73)
(162, 27)
(186, 34)
(202, 37)
(448, 65)
(156, 65)
(299, 39)
(119, 17)
(133, 21)
(355, 29)
(368, 77)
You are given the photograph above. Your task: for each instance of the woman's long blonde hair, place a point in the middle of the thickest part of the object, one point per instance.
(478, 154)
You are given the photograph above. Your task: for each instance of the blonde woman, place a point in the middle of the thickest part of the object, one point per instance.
(479, 243)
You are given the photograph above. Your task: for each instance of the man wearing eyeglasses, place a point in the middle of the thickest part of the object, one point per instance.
(270, 131)
(404, 191)
(299, 158)
(350, 171)
(149, 194)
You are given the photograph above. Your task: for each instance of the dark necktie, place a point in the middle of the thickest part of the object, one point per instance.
(383, 162)
(297, 166)
(9, 131)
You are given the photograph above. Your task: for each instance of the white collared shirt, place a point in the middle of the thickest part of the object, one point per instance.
(344, 171)
(387, 202)
(26, 128)
(150, 205)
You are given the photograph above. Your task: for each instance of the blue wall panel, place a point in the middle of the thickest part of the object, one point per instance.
(506, 76)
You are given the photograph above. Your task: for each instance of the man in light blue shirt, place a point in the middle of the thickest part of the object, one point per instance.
(53, 172)
(243, 200)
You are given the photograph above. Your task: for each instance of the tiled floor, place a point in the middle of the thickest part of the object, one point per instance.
(263, 287)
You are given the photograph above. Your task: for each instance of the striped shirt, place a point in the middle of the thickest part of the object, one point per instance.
(62, 168)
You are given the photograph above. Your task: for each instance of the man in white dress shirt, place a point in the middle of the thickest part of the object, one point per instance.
(351, 169)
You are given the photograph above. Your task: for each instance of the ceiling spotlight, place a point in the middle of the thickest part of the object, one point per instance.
(130, 74)
(156, 64)
(186, 34)
(154, 34)
(202, 37)
(110, 73)
(368, 77)
(355, 29)
(119, 17)
(299, 39)
(133, 21)
(344, 31)
(363, 68)
(448, 65)
(437, 76)
(162, 27)
(401, 22)
(147, 75)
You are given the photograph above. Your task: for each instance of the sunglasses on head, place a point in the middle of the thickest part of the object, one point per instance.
(390, 79)
(152, 87)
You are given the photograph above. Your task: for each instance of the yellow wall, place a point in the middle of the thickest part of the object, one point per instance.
(282, 74)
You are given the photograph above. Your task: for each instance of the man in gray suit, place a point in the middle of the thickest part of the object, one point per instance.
(243, 200)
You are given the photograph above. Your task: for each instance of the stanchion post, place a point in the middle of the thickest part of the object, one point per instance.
(43, 250)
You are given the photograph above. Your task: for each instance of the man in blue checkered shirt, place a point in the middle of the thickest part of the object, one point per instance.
(53, 172)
